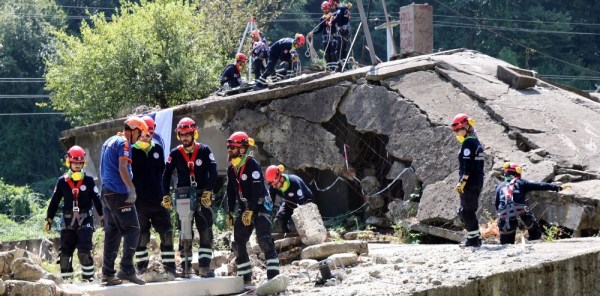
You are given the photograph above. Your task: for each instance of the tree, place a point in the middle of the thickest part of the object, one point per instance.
(29, 146)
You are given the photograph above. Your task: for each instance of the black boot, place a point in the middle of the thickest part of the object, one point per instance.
(472, 242)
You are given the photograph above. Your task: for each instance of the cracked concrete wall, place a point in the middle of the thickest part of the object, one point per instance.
(406, 106)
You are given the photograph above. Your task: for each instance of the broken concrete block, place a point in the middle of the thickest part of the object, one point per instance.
(2, 288)
(342, 260)
(289, 255)
(286, 243)
(514, 79)
(375, 201)
(322, 251)
(41, 287)
(25, 269)
(273, 286)
(360, 235)
(309, 224)
(306, 263)
(378, 221)
(370, 185)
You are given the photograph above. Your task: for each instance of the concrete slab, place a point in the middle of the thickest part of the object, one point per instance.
(180, 287)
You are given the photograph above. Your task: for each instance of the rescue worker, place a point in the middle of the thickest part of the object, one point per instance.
(246, 187)
(231, 76)
(148, 164)
(341, 21)
(118, 201)
(280, 50)
(511, 203)
(329, 42)
(260, 53)
(197, 170)
(471, 175)
(292, 190)
(77, 226)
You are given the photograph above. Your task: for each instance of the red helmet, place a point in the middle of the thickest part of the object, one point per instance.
(273, 174)
(240, 57)
(512, 168)
(460, 121)
(186, 125)
(325, 5)
(299, 40)
(134, 122)
(76, 154)
(238, 139)
(255, 34)
(149, 122)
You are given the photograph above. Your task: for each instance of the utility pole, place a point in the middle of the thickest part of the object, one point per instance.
(363, 19)
(390, 31)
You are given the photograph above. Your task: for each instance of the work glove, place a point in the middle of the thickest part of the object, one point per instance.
(229, 221)
(564, 187)
(247, 217)
(460, 187)
(47, 225)
(167, 203)
(206, 200)
(131, 197)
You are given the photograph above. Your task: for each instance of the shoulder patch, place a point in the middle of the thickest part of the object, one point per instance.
(198, 162)
(299, 192)
(83, 187)
(244, 177)
(255, 175)
(211, 157)
(291, 194)
(466, 152)
(96, 189)
(156, 155)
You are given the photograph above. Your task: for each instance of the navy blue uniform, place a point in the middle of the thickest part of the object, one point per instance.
(231, 75)
(341, 21)
(329, 42)
(511, 206)
(205, 174)
(76, 232)
(279, 51)
(470, 161)
(147, 168)
(260, 54)
(255, 197)
(296, 194)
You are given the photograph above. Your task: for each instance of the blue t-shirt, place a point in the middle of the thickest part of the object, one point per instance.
(115, 148)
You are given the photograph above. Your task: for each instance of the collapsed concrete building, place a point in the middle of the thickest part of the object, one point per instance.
(383, 133)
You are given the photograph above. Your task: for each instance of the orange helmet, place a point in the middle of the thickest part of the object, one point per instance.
(149, 122)
(240, 57)
(460, 121)
(238, 139)
(186, 125)
(255, 34)
(134, 122)
(512, 168)
(76, 154)
(299, 40)
(273, 174)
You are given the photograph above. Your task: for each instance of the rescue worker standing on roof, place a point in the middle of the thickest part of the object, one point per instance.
(231, 76)
(77, 226)
(280, 50)
(329, 42)
(293, 192)
(197, 171)
(341, 21)
(148, 164)
(511, 203)
(118, 201)
(470, 181)
(260, 53)
(246, 186)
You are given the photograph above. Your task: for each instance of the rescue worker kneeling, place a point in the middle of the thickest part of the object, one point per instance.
(511, 204)
(231, 76)
(293, 192)
(77, 226)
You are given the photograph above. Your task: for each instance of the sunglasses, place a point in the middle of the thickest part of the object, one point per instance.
(232, 147)
(186, 126)
(77, 163)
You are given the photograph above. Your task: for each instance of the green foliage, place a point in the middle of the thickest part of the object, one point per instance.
(552, 232)
(30, 149)
(405, 235)
(156, 53)
(18, 202)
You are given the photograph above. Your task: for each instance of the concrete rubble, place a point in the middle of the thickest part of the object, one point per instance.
(309, 224)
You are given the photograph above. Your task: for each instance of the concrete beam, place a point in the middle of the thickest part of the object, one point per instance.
(179, 287)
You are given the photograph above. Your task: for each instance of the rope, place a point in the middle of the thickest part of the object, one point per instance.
(394, 181)
(328, 187)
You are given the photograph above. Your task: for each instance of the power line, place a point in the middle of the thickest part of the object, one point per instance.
(516, 42)
(31, 114)
(24, 96)
(468, 26)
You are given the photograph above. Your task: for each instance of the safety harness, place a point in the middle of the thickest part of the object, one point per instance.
(190, 162)
(76, 215)
(511, 209)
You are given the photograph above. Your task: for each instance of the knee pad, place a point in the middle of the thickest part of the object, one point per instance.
(66, 262)
(166, 239)
(144, 239)
(85, 257)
